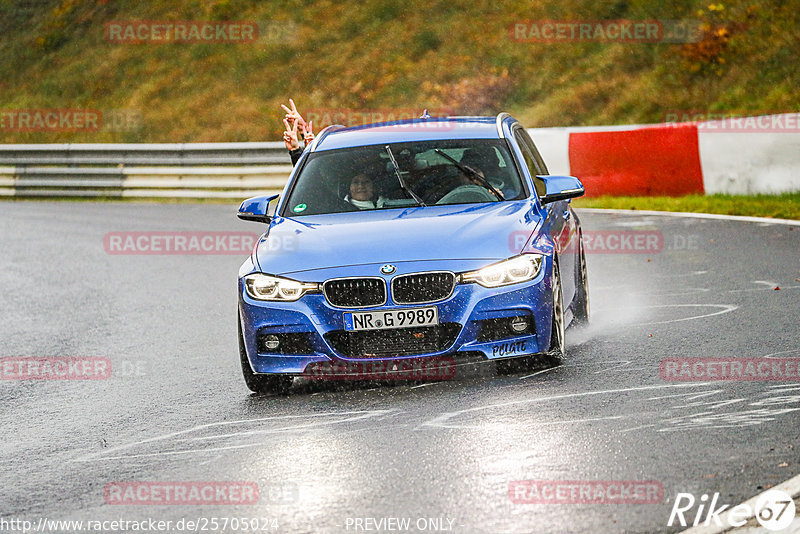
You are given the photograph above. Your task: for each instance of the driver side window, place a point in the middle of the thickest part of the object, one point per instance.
(531, 163)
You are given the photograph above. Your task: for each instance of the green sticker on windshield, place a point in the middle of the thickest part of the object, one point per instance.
(299, 208)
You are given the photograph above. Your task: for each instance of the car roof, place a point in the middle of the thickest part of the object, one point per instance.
(409, 130)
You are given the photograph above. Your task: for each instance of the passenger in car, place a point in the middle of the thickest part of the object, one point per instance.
(291, 138)
(363, 194)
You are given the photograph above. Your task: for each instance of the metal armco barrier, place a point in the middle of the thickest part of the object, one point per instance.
(718, 156)
(203, 170)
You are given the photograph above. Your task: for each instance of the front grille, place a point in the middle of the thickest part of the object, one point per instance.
(355, 292)
(394, 342)
(422, 287)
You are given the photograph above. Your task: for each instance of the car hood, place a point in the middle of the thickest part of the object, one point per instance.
(473, 231)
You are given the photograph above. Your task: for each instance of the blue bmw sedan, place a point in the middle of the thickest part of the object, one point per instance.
(411, 241)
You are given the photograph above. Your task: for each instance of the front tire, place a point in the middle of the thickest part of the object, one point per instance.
(557, 348)
(259, 383)
(581, 307)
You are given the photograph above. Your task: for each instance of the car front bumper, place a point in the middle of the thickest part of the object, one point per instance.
(473, 321)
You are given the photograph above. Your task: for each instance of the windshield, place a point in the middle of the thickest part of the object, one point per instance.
(462, 171)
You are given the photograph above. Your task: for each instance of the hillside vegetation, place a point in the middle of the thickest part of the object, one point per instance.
(401, 55)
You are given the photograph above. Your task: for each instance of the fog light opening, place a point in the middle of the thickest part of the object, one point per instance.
(520, 324)
(271, 342)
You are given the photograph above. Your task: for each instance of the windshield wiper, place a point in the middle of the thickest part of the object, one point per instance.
(400, 178)
(472, 172)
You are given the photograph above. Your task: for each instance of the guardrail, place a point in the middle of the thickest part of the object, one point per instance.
(715, 158)
(204, 170)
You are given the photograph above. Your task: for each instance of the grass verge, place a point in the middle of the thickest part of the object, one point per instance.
(784, 206)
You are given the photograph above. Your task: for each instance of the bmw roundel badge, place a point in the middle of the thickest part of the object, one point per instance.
(387, 269)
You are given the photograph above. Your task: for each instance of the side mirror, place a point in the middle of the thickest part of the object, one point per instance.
(561, 188)
(255, 209)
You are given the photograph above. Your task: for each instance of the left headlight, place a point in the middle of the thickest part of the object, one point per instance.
(512, 271)
(266, 287)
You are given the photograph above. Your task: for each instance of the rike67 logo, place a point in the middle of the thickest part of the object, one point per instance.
(774, 510)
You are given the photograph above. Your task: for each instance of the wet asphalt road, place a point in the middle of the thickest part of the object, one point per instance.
(176, 409)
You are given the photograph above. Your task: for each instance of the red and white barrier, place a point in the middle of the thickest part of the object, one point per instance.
(734, 155)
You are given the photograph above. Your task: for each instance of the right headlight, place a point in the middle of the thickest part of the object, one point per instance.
(266, 287)
(512, 271)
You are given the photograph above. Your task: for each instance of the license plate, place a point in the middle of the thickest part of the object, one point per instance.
(382, 320)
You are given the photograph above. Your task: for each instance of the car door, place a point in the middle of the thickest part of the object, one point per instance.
(560, 218)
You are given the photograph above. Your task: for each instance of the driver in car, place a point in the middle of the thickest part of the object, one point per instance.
(474, 178)
(468, 185)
